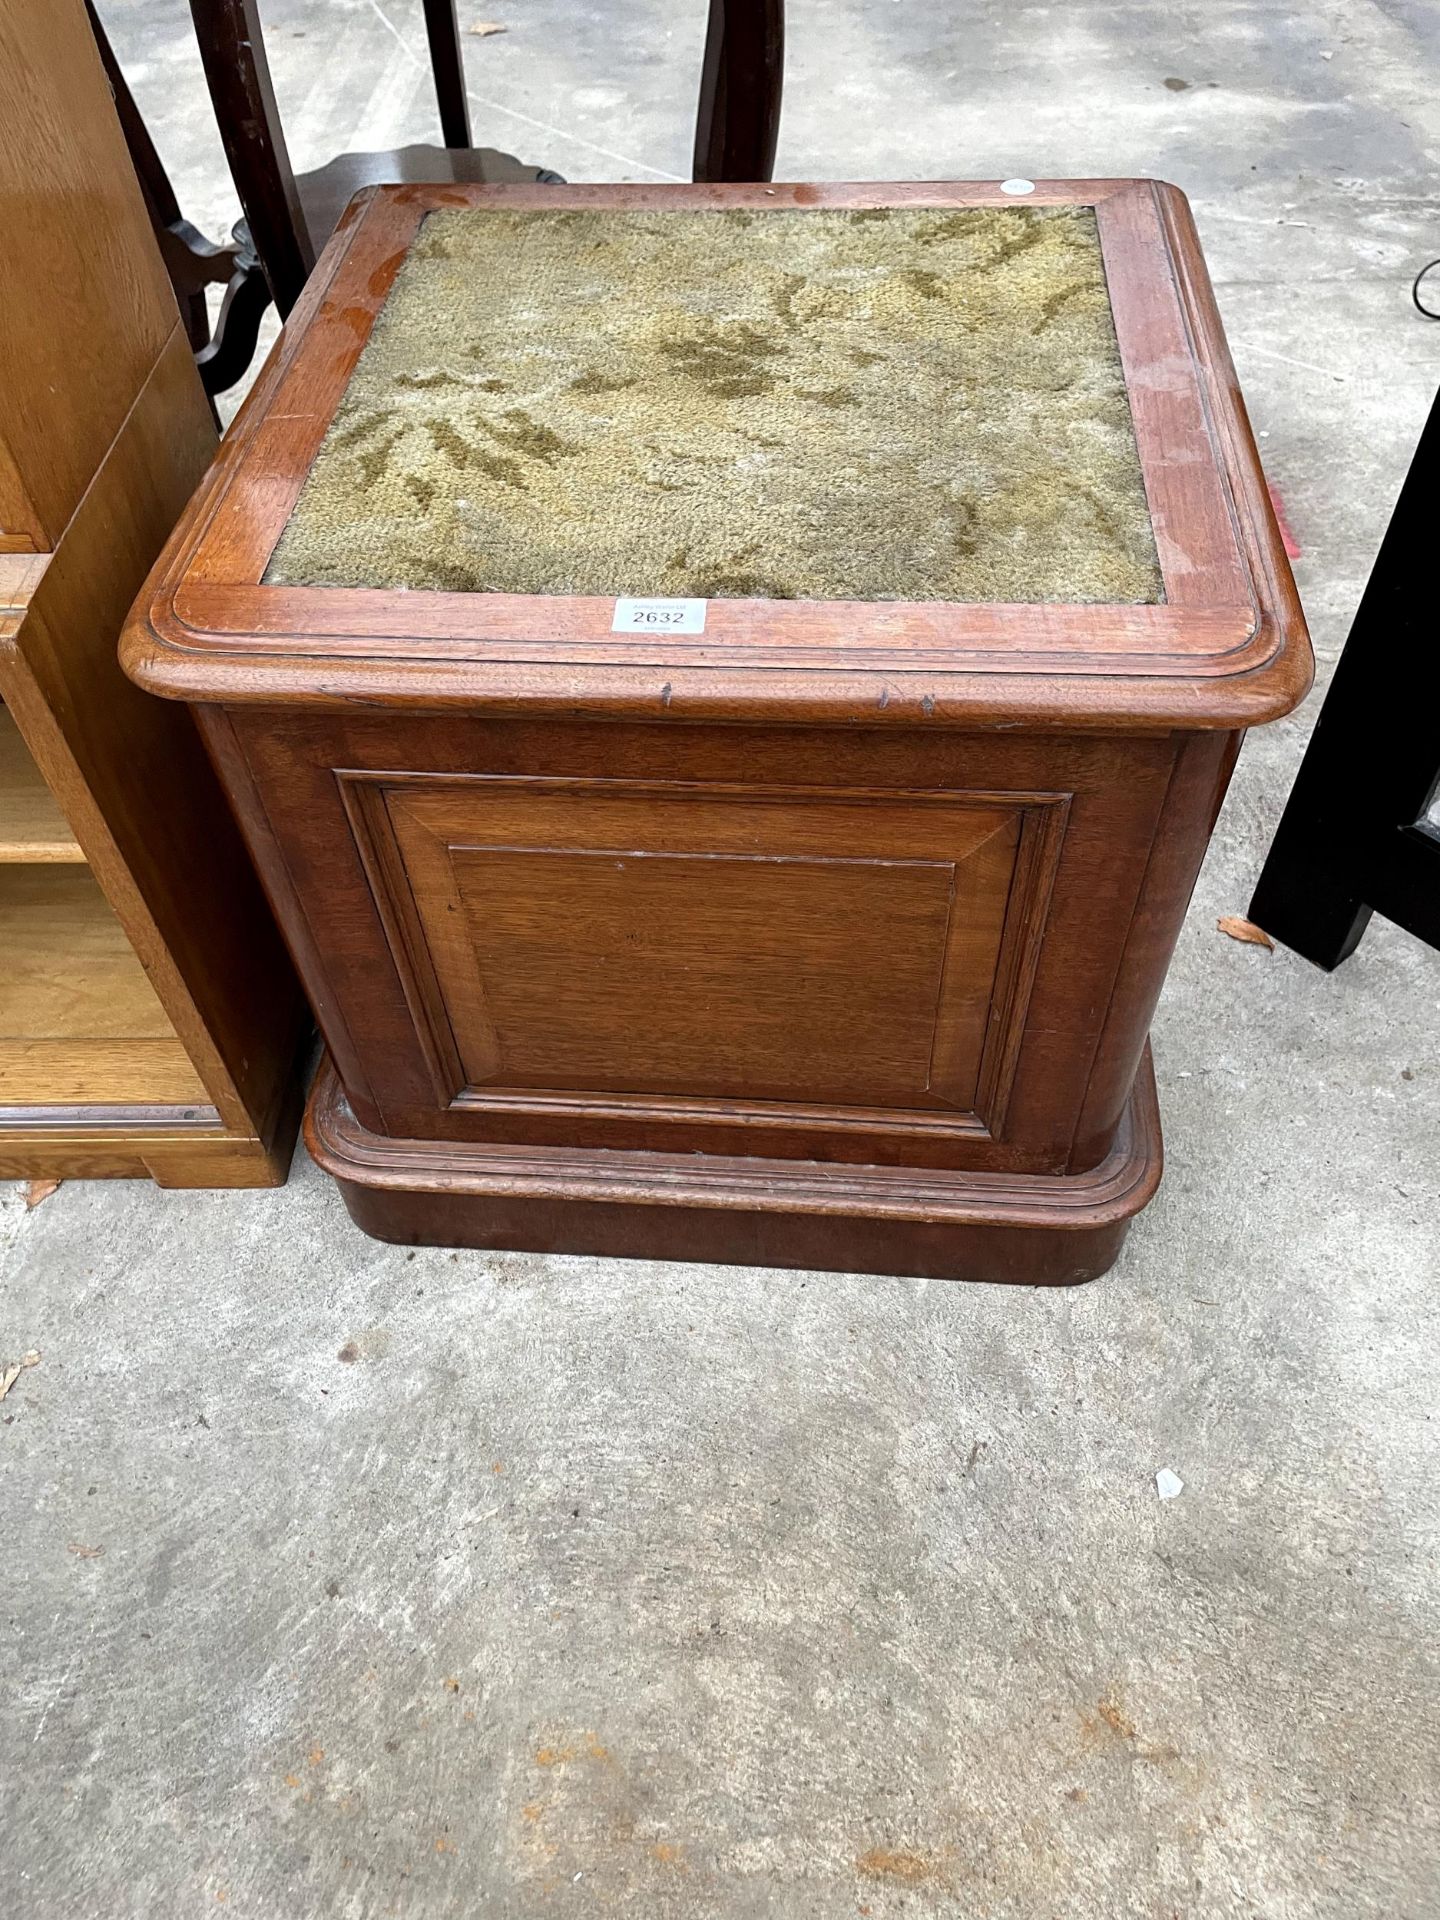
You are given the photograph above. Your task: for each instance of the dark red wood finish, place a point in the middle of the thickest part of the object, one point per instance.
(1021, 1231)
(1226, 649)
(886, 891)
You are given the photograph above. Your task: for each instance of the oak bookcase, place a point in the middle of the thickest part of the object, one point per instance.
(149, 1019)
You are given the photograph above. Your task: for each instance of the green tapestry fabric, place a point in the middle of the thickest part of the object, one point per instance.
(790, 404)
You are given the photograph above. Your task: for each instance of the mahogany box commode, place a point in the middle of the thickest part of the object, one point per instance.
(728, 689)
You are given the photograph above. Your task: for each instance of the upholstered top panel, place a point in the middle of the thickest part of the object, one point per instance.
(908, 403)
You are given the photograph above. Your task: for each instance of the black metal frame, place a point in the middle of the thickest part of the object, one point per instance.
(1353, 839)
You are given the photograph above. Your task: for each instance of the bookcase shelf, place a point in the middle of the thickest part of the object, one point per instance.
(80, 1024)
(33, 830)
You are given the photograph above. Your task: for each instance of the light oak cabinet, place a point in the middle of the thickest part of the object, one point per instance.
(149, 1019)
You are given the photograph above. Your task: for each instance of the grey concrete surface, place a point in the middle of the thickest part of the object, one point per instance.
(344, 1581)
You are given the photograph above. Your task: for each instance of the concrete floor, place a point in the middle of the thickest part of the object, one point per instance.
(344, 1581)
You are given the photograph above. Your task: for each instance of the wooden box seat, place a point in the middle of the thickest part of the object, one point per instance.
(729, 689)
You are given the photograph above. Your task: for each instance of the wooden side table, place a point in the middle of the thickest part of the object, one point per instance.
(730, 709)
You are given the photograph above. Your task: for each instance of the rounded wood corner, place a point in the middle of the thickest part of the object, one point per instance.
(141, 654)
(1023, 1229)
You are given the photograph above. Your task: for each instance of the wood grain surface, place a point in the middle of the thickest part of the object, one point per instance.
(85, 305)
(159, 1033)
(353, 817)
(32, 827)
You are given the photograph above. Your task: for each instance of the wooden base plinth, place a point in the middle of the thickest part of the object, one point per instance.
(1025, 1229)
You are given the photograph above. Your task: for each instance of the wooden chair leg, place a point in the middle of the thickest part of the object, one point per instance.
(160, 201)
(232, 50)
(738, 122)
(237, 328)
(190, 260)
(448, 66)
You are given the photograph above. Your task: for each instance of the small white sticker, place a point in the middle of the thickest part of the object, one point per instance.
(1017, 186)
(659, 616)
(1168, 1484)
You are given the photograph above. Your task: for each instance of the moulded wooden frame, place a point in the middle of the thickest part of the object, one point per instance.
(1225, 649)
(1025, 1229)
(970, 1110)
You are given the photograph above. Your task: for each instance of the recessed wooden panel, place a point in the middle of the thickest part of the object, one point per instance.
(711, 974)
(771, 947)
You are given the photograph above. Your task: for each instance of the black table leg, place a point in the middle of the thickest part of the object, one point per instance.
(738, 121)
(448, 65)
(1353, 839)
